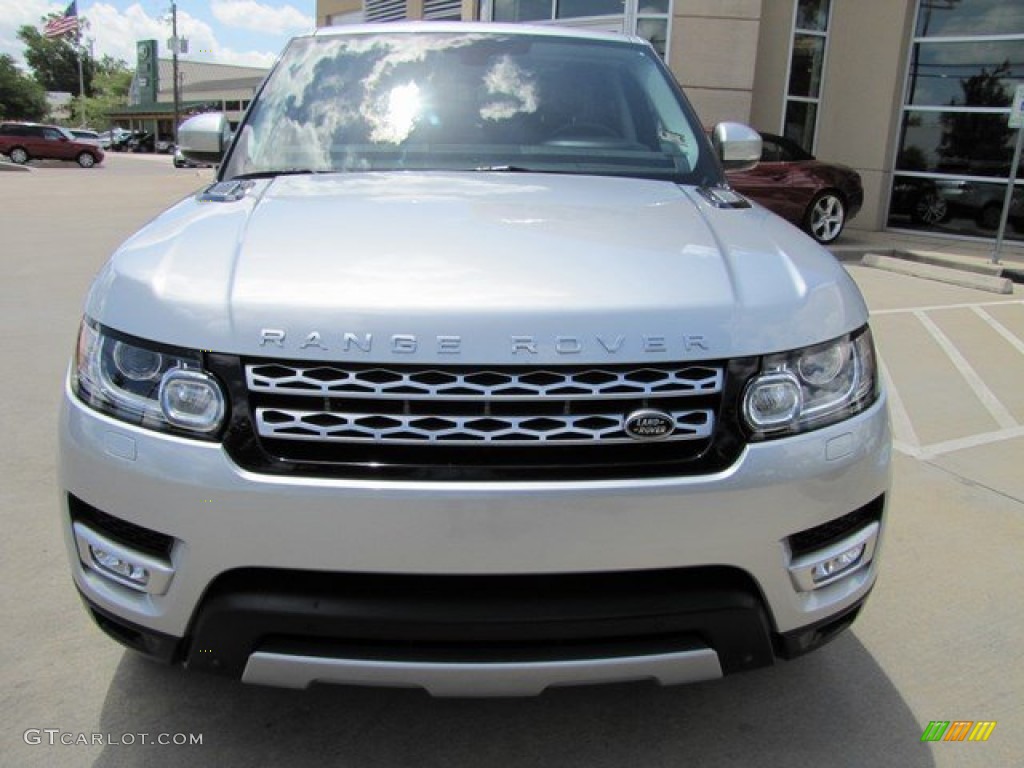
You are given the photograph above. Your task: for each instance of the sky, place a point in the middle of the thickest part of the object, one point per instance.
(247, 32)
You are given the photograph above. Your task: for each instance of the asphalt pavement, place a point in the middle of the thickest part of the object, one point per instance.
(940, 638)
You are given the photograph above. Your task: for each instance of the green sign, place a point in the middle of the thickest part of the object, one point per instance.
(147, 71)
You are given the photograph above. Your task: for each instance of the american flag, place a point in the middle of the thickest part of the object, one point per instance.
(63, 24)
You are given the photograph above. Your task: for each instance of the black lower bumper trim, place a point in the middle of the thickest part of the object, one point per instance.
(789, 645)
(480, 618)
(502, 619)
(156, 645)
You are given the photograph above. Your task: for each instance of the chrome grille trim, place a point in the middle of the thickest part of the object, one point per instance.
(384, 383)
(289, 424)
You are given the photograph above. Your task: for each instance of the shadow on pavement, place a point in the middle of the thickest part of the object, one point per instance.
(835, 707)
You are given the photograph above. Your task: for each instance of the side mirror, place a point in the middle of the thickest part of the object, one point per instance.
(738, 146)
(205, 137)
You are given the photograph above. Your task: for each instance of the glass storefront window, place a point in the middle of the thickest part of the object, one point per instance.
(654, 31)
(812, 14)
(961, 143)
(966, 62)
(650, 19)
(572, 9)
(954, 206)
(978, 74)
(800, 120)
(806, 71)
(808, 61)
(522, 10)
(653, 7)
(956, 18)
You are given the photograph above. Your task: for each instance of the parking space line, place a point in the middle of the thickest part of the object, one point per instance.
(905, 439)
(988, 399)
(962, 443)
(937, 307)
(999, 328)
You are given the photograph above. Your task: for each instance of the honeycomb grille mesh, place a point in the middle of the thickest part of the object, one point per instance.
(455, 430)
(435, 383)
(517, 406)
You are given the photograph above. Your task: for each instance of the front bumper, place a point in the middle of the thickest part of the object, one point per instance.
(229, 526)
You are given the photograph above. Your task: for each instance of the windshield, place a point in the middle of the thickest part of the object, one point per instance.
(470, 101)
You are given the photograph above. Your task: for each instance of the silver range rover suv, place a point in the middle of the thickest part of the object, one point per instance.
(470, 373)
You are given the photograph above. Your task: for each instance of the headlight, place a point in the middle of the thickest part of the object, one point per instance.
(155, 387)
(813, 387)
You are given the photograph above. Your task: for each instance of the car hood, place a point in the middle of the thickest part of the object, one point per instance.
(483, 267)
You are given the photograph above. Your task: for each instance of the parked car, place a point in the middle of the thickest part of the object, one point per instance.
(89, 137)
(22, 142)
(818, 197)
(140, 141)
(956, 205)
(180, 161)
(114, 139)
(470, 372)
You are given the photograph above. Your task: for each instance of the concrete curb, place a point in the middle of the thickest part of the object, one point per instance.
(959, 275)
(7, 166)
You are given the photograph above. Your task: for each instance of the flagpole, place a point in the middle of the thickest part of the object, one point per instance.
(81, 77)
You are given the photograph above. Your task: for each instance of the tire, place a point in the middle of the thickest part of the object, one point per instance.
(825, 217)
(929, 209)
(18, 156)
(989, 216)
(86, 160)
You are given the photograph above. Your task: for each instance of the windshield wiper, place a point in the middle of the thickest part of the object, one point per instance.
(520, 169)
(278, 172)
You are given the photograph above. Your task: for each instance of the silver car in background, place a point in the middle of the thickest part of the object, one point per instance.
(469, 372)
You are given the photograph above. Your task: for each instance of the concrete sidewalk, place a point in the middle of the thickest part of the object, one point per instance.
(961, 253)
(964, 262)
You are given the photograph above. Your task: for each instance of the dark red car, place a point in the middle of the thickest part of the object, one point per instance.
(22, 142)
(818, 197)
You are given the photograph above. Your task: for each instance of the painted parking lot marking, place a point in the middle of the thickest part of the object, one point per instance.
(999, 328)
(906, 438)
(981, 390)
(942, 307)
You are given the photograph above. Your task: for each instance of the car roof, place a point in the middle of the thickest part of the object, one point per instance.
(34, 125)
(477, 28)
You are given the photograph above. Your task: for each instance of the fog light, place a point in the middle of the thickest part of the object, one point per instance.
(191, 399)
(119, 567)
(122, 564)
(836, 565)
(839, 560)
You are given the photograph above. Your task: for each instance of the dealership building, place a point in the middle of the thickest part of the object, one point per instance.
(202, 87)
(913, 94)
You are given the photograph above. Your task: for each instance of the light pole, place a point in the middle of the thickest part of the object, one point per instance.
(174, 65)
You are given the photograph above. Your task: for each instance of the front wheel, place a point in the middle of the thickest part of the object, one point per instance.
(86, 160)
(19, 156)
(825, 217)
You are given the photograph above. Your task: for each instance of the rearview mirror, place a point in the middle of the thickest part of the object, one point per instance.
(205, 137)
(738, 146)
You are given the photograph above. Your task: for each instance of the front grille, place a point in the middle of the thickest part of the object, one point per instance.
(507, 384)
(468, 423)
(463, 430)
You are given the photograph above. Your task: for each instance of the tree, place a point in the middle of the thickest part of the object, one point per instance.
(21, 97)
(111, 84)
(981, 142)
(54, 60)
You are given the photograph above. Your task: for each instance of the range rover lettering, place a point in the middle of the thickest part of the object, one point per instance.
(469, 372)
